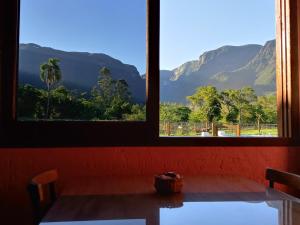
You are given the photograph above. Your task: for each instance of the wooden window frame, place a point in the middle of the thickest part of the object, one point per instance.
(15, 133)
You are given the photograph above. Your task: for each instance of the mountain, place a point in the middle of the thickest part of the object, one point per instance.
(258, 73)
(80, 69)
(226, 67)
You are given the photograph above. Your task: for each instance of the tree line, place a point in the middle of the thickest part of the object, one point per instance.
(109, 99)
(237, 106)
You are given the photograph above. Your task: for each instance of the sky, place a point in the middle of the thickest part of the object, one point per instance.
(95, 26)
(225, 213)
(118, 27)
(191, 27)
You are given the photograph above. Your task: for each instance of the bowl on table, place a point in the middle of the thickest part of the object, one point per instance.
(168, 183)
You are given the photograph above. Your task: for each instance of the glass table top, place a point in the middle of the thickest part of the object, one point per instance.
(223, 213)
(125, 212)
(102, 222)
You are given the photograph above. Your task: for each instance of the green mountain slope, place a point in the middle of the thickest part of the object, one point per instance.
(80, 69)
(226, 67)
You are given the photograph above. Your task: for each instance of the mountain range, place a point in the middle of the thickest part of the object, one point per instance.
(226, 67)
(80, 70)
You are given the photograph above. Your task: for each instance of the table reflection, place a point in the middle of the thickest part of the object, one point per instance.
(225, 213)
(103, 222)
(193, 209)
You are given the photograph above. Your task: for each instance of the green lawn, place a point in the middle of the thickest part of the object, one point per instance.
(246, 132)
(272, 132)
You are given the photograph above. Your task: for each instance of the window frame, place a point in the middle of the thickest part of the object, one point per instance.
(15, 133)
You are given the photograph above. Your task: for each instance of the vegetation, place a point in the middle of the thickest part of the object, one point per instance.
(233, 106)
(205, 105)
(109, 99)
(174, 112)
(239, 102)
(50, 74)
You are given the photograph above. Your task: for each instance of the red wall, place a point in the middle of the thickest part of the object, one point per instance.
(18, 165)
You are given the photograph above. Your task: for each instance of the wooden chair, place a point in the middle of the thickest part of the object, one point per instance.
(289, 179)
(42, 191)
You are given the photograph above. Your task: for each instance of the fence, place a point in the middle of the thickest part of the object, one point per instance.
(217, 129)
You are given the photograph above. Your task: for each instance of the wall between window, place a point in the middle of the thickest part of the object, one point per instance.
(18, 165)
(37, 134)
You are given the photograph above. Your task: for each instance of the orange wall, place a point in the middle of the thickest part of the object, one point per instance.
(18, 165)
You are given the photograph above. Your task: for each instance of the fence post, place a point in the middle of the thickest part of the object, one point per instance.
(238, 130)
(214, 130)
(168, 128)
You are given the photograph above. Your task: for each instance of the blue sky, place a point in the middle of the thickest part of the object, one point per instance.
(191, 27)
(224, 213)
(96, 26)
(118, 27)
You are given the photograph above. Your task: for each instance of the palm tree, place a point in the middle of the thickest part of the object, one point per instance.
(50, 73)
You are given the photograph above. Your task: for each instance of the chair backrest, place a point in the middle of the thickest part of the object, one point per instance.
(289, 179)
(42, 191)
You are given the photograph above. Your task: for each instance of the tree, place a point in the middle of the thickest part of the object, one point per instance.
(102, 93)
(269, 104)
(258, 115)
(183, 113)
(105, 86)
(30, 102)
(205, 105)
(50, 74)
(117, 109)
(137, 113)
(229, 110)
(238, 103)
(122, 90)
(172, 112)
(111, 97)
(70, 105)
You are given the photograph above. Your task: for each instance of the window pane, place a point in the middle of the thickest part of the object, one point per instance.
(82, 60)
(218, 72)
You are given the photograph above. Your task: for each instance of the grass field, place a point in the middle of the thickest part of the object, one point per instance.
(271, 132)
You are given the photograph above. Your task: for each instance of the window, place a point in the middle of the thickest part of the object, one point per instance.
(87, 67)
(218, 70)
(69, 131)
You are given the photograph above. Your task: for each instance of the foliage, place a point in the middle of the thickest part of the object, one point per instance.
(68, 105)
(111, 97)
(109, 100)
(30, 102)
(205, 105)
(238, 104)
(173, 112)
(138, 113)
(258, 114)
(50, 73)
(231, 106)
(269, 104)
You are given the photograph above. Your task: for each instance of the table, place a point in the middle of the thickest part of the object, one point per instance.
(204, 201)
